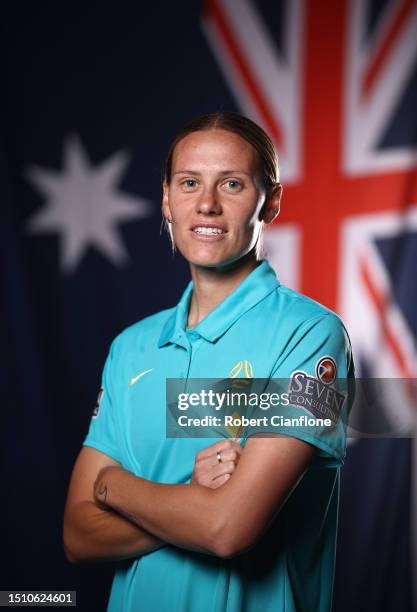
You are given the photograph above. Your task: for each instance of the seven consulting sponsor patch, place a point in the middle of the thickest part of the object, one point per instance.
(316, 393)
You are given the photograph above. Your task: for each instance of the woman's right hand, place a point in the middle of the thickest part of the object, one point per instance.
(215, 464)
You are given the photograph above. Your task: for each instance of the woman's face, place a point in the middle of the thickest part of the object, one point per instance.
(214, 197)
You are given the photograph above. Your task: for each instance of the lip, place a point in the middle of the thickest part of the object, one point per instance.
(205, 237)
(208, 225)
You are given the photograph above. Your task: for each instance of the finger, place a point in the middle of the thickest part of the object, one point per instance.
(204, 466)
(225, 467)
(218, 482)
(206, 463)
(215, 448)
(236, 446)
(238, 441)
(230, 454)
(220, 446)
(204, 471)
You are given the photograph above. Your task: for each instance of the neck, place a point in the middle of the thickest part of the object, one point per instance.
(212, 285)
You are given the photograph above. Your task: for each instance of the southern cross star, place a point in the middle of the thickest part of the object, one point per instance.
(84, 205)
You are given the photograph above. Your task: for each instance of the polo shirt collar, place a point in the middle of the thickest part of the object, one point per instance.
(254, 288)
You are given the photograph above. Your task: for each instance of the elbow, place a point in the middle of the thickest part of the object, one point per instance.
(70, 553)
(228, 541)
(75, 534)
(73, 553)
(70, 557)
(227, 548)
(224, 550)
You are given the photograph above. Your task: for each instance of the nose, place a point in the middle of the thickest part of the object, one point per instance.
(208, 203)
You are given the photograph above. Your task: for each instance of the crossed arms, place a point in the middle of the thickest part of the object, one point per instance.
(112, 514)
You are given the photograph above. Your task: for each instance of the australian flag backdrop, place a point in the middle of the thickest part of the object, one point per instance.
(92, 95)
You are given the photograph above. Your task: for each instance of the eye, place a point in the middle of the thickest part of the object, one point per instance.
(189, 183)
(233, 184)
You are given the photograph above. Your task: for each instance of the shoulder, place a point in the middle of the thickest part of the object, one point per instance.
(298, 312)
(301, 326)
(307, 332)
(142, 334)
(301, 305)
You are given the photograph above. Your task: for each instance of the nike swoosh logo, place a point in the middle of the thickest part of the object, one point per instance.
(136, 378)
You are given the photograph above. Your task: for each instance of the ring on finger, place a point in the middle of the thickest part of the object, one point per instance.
(219, 457)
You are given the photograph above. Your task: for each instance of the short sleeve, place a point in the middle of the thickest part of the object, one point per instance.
(103, 432)
(314, 380)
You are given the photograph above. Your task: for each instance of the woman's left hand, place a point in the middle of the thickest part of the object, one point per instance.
(215, 464)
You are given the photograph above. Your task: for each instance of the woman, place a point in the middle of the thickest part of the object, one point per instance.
(214, 526)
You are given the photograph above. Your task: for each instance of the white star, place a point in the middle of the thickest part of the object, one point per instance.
(84, 205)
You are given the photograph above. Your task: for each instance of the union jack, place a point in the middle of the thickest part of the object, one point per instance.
(327, 95)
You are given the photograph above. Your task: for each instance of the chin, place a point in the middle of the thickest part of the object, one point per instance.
(210, 256)
(205, 257)
(206, 262)
(213, 261)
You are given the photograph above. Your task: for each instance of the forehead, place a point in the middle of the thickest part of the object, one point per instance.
(215, 149)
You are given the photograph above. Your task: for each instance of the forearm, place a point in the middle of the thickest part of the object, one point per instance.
(182, 514)
(224, 521)
(95, 534)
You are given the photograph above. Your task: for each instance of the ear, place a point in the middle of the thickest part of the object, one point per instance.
(272, 205)
(165, 198)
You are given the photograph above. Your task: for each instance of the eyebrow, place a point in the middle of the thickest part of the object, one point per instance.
(223, 172)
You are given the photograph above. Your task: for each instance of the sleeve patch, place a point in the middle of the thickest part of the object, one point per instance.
(320, 399)
(326, 369)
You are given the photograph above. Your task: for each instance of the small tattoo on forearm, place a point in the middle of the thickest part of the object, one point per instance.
(103, 493)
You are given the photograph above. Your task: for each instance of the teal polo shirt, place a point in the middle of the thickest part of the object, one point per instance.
(262, 329)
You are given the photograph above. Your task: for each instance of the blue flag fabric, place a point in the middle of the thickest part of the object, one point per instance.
(92, 97)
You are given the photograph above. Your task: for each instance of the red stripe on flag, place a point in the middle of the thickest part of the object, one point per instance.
(381, 303)
(384, 48)
(213, 10)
